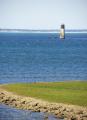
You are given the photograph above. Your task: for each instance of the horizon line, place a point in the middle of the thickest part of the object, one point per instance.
(20, 29)
(42, 30)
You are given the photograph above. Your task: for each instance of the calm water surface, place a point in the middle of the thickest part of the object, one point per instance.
(29, 57)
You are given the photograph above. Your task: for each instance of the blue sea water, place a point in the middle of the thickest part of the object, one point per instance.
(34, 57)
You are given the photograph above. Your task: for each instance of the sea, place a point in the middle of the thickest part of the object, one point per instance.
(40, 57)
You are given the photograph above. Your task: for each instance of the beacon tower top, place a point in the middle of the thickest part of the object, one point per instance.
(62, 31)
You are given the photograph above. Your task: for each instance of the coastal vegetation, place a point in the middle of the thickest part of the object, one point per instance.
(69, 92)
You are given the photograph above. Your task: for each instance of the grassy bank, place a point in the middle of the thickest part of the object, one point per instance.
(74, 92)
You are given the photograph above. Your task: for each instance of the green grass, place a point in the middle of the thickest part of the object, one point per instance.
(74, 92)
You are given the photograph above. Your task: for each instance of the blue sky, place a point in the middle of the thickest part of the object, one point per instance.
(43, 14)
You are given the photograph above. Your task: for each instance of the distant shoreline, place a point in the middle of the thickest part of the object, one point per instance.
(42, 31)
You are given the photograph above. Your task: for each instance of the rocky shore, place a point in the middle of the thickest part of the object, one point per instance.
(68, 112)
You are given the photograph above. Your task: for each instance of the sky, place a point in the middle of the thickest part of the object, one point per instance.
(43, 14)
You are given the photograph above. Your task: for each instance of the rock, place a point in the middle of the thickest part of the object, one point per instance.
(53, 108)
(84, 119)
(43, 110)
(73, 118)
(84, 115)
(69, 110)
(23, 102)
(80, 112)
(2, 94)
(13, 99)
(60, 116)
(64, 109)
(5, 100)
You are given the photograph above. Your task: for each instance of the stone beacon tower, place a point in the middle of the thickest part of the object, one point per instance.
(62, 31)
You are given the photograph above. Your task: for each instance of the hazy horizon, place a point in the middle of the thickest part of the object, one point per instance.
(43, 14)
(46, 29)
